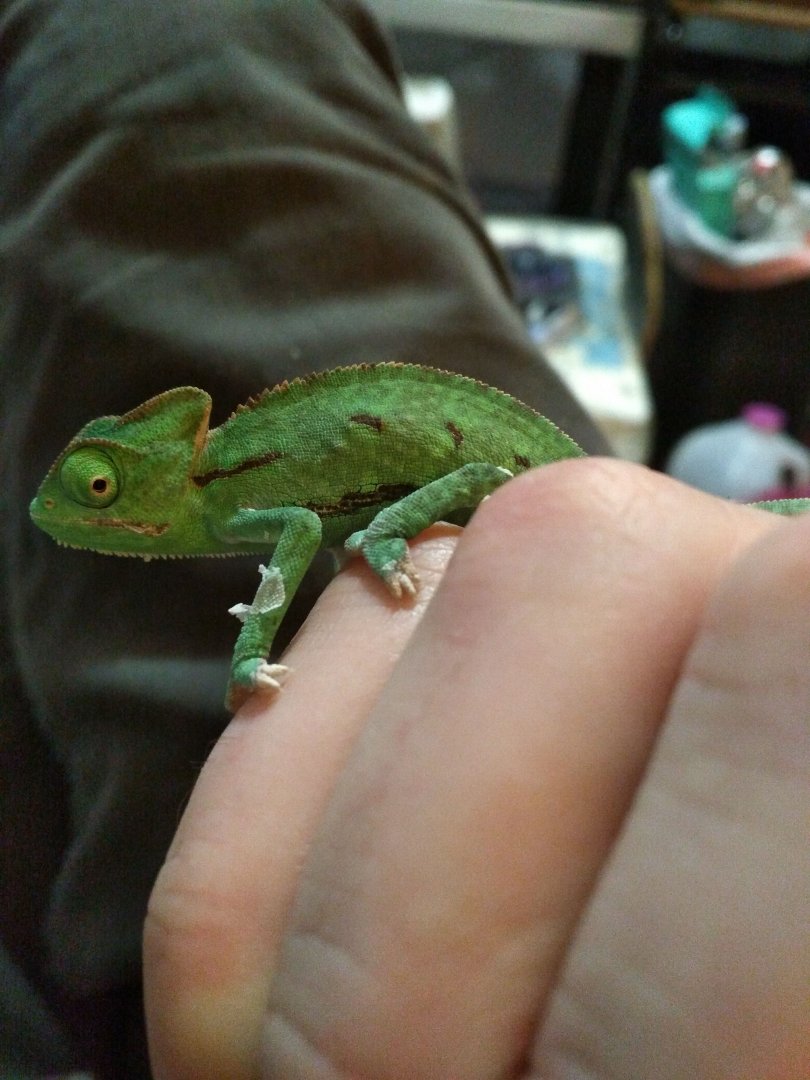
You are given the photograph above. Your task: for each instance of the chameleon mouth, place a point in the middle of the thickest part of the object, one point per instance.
(42, 515)
(141, 528)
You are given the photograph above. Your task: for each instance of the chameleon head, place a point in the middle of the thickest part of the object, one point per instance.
(114, 489)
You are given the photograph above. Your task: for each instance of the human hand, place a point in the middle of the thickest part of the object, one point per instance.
(562, 833)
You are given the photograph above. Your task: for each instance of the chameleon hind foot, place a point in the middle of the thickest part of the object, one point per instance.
(401, 577)
(389, 558)
(383, 543)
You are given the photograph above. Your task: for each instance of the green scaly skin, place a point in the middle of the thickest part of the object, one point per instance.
(362, 457)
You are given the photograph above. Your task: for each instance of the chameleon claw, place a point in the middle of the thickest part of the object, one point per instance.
(398, 573)
(401, 578)
(269, 677)
(258, 677)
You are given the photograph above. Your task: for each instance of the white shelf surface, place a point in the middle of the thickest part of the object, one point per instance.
(612, 30)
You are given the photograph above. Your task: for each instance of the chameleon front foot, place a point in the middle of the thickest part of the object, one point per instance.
(254, 676)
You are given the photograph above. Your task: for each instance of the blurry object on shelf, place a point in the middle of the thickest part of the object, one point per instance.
(431, 101)
(736, 192)
(645, 261)
(599, 357)
(546, 289)
(790, 14)
(702, 137)
(764, 189)
(780, 255)
(745, 459)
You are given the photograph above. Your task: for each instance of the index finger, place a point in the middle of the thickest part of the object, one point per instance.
(218, 907)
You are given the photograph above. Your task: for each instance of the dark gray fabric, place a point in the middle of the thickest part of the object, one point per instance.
(223, 193)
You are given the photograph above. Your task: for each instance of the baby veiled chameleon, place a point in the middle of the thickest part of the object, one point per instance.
(362, 457)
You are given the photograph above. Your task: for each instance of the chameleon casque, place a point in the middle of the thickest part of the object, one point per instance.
(362, 457)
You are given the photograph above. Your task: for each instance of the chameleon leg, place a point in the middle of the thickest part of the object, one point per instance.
(383, 544)
(295, 534)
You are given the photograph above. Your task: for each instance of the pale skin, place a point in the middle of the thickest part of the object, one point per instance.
(384, 872)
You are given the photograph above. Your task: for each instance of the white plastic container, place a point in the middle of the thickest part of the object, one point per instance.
(742, 459)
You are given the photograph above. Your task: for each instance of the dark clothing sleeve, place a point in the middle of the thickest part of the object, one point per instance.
(222, 194)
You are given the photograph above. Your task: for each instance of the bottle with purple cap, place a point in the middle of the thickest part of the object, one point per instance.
(745, 459)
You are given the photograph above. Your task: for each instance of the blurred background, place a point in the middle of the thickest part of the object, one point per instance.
(663, 316)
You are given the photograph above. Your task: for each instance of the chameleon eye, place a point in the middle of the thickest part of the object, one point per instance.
(89, 477)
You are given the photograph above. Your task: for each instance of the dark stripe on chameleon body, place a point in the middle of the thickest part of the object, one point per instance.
(369, 420)
(522, 461)
(458, 437)
(353, 501)
(243, 466)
